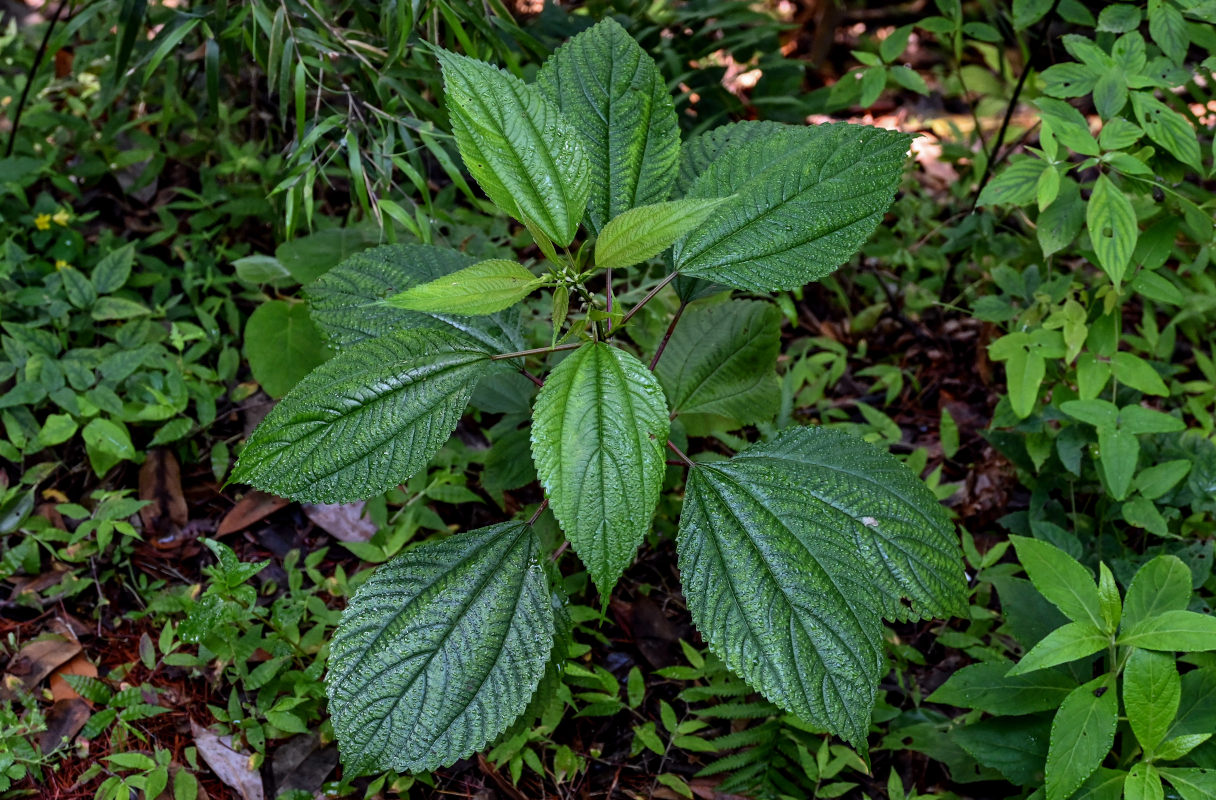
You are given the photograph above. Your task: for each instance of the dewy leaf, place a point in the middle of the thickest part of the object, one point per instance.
(700, 151)
(1112, 228)
(483, 288)
(599, 434)
(365, 420)
(440, 650)
(1081, 736)
(518, 147)
(612, 92)
(1151, 693)
(1061, 579)
(722, 360)
(1066, 643)
(642, 233)
(793, 551)
(347, 303)
(1187, 631)
(805, 200)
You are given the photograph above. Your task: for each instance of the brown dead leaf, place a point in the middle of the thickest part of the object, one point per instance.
(160, 481)
(228, 765)
(656, 637)
(345, 522)
(60, 689)
(253, 507)
(63, 722)
(38, 659)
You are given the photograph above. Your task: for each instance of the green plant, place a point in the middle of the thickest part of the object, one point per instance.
(791, 552)
(1055, 723)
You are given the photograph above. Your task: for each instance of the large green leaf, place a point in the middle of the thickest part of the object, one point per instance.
(793, 551)
(599, 434)
(1168, 128)
(527, 158)
(700, 151)
(1111, 221)
(1081, 735)
(483, 288)
(282, 345)
(347, 303)
(806, 200)
(365, 420)
(1152, 691)
(988, 687)
(440, 650)
(722, 360)
(611, 91)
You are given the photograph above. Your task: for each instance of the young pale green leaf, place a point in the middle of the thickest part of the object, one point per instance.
(790, 554)
(365, 420)
(1143, 783)
(482, 288)
(805, 199)
(1068, 643)
(722, 360)
(1108, 596)
(599, 434)
(1191, 784)
(1151, 693)
(347, 303)
(1112, 228)
(1069, 586)
(1163, 584)
(700, 151)
(989, 686)
(517, 145)
(1137, 373)
(613, 94)
(1186, 631)
(1179, 746)
(440, 650)
(1081, 736)
(642, 233)
(1118, 453)
(1168, 128)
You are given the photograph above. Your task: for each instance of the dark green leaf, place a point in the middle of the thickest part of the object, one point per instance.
(988, 687)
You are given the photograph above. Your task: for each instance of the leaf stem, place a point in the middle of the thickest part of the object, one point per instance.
(649, 296)
(531, 377)
(688, 462)
(608, 295)
(536, 351)
(654, 362)
(539, 510)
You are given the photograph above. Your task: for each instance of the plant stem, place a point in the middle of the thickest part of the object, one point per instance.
(688, 462)
(608, 295)
(539, 510)
(536, 351)
(654, 362)
(649, 296)
(29, 77)
(531, 377)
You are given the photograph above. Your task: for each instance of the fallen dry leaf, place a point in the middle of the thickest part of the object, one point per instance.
(345, 522)
(38, 659)
(63, 722)
(228, 765)
(160, 481)
(253, 507)
(60, 689)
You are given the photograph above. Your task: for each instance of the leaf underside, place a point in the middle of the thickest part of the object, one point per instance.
(792, 552)
(599, 431)
(365, 420)
(347, 303)
(613, 93)
(440, 650)
(806, 200)
(525, 156)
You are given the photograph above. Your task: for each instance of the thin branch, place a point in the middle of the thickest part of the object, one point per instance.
(539, 510)
(608, 294)
(29, 77)
(685, 460)
(649, 296)
(531, 377)
(654, 362)
(536, 351)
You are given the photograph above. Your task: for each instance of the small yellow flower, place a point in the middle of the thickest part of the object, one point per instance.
(42, 222)
(61, 264)
(61, 217)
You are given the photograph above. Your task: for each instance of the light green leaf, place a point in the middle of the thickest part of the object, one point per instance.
(1099, 413)
(1168, 128)
(1191, 784)
(1143, 783)
(1068, 643)
(1024, 372)
(1197, 711)
(1186, 631)
(1137, 373)
(1168, 29)
(1060, 223)
(700, 151)
(642, 233)
(1108, 596)
(1162, 584)
(366, 420)
(1103, 784)
(989, 686)
(112, 271)
(106, 443)
(1112, 228)
(1028, 12)
(1069, 79)
(1068, 125)
(1061, 579)
(483, 288)
(617, 100)
(1151, 692)
(599, 434)
(1016, 185)
(57, 429)
(1138, 420)
(1119, 18)
(517, 146)
(1118, 453)
(790, 554)
(1110, 94)
(805, 199)
(440, 650)
(1176, 748)
(1081, 735)
(722, 360)
(1119, 133)
(282, 345)
(347, 303)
